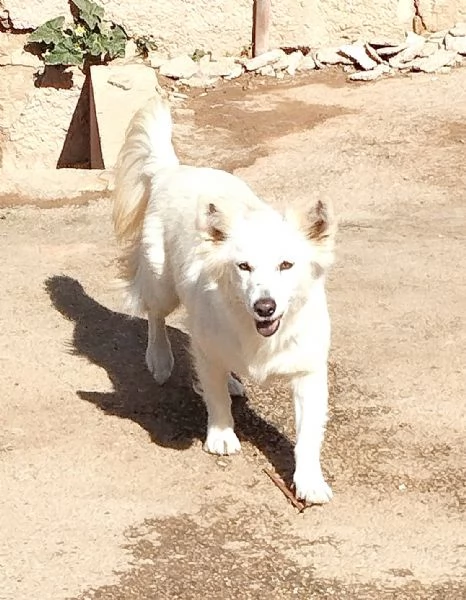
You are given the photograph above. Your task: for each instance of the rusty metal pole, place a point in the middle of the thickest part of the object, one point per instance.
(261, 13)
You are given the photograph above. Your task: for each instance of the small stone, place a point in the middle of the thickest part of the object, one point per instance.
(280, 75)
(391, 50)
(156, 60)
(179, 96)
(402, 487)
(295, 59)
(381, 42)
(218, 68)
(418, 25)
(414, 49)
(204, 61)
(430, 64)
(358, 53)
(332, 56)
(373, 54)
(267, 71)
(181, 67)
(414, 39)
(307, 64)
(200, 81)
(444, 70)
(428, 49)
(459, 30)
(268, 58)
(438, 36)
(235, 72)
(371, 75)
(131, 49)
(283, 63)
(455, 43)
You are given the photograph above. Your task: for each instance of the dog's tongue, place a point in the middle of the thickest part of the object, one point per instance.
(267, 328)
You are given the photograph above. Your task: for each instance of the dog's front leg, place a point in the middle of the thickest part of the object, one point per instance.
(311, 401)
(221, 438)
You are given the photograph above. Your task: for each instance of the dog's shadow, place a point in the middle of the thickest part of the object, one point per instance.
(172, 414)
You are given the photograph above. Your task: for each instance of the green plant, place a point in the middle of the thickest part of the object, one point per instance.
(145, 44)
(88, 39)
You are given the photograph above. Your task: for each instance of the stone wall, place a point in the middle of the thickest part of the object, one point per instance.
(184, 25)
(41, 126)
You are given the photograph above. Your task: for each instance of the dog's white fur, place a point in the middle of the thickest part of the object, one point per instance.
(201, 238)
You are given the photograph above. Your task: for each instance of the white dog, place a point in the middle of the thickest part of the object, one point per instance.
(250, 278)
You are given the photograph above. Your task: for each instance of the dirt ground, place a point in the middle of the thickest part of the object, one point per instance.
(105, 492)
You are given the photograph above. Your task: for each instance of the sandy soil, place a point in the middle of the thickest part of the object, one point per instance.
(105, 490)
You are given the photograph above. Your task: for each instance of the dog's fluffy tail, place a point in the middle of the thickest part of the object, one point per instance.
(147, 148)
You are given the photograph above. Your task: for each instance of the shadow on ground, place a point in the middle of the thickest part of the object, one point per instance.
(172, 414)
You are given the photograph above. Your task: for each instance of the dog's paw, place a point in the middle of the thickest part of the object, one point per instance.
(160, 363)
(235, 387)
(312, 489)
(221, 441)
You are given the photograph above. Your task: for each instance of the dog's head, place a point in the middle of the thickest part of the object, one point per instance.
(268, 261)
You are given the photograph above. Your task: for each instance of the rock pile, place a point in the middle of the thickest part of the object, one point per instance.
(363, 61)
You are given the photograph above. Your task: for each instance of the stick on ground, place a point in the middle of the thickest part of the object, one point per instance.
(301, 506)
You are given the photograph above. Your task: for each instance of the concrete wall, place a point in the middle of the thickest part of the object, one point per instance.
(225, 25)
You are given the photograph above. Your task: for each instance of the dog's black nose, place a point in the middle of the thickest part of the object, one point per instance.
(265, 307)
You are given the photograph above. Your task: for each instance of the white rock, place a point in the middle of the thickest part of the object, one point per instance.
(455, 43)
(438, 36)
(268, 58)
(332, 56)
(444, 70)
(295, 59)
(200, 81)
(458, 30)
(391, 50)
(181, 67)
(131, 49)
(430, 64)
(307, 64)
(283, 63)
(204, 60)
(415, 46)
(381, 42)
(267, 71)
(373, 54)
(222, 67)
(235, 72)
(414, 39)
(358, 53)
(428, 49)
(280, 75)
(371, 75)
(156, 59)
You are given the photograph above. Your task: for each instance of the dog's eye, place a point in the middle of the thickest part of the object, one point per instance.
(244, 266)
(285, 265)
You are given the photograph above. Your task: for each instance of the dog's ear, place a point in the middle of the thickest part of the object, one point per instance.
(319, 223)
(215, 222)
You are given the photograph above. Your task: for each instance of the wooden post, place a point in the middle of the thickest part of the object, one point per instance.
(260, 26)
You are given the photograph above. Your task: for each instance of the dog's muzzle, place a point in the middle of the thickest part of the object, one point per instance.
(264, 309)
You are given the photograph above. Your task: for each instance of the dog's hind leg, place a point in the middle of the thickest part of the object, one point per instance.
(159, 355)
(213, 381)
